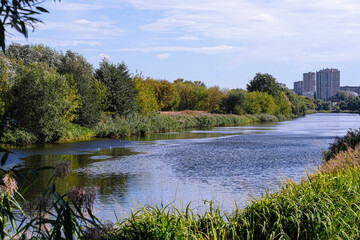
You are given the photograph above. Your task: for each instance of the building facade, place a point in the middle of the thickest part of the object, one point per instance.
(327, 83)
(298, 87)
(350, 89)
(309, 84)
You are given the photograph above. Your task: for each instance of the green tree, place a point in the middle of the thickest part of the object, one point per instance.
(82, 72)
(264, 83)
(283, 104)
(298, 107)
(42, 102)
(146, 97)
(121, 91)
(235, 101)
(193, 95)
(166, 95)
(260, 102)
(34, 53)
(215, 99)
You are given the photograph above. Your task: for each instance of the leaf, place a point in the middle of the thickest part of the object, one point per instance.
(42, 9)
(2, 181)
(4, 158)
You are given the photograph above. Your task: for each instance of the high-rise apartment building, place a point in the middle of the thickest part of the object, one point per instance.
(327, 83)
(298, 87)
(309, 84)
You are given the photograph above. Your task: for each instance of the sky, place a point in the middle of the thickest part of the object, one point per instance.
(218, 42)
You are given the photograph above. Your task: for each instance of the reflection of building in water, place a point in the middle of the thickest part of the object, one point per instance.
(327, 83)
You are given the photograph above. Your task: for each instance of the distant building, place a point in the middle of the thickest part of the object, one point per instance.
(327, 83)
(283, 85)
(350, 89)
(298, 87)
(309, 84)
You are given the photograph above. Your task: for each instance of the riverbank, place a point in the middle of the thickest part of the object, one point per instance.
(140, 125)
(324, 205)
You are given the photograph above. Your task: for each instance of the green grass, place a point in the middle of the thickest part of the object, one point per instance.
(325, 205)
(136, 124)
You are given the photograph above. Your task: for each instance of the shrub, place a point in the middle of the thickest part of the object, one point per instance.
(351, 139)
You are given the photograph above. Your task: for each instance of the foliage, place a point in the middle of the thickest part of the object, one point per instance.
(17, 137)
(42, 102)
(283, 105)
(298, 107)
(309, 103)
(28, 54)
(322, 105)
(146, 96)
(350, 140)
(137, 124)
(263, 117)
(166, 95)
(215, 99)
(350, 102)
(82, 72)
(20, 15)
(260, 102)
(192, 95)
(121, 91)
(235, 101)
(264, 83)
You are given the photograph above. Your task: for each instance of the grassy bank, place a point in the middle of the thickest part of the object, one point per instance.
(136, 124)
(140, 125)
(325, 205)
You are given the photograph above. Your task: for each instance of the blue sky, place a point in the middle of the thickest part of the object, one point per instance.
(219, 42)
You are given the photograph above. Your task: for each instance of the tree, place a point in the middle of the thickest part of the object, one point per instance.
(19, 14)
(34, 53)
(192, 95)
(82, 72)
(283, 104)
(214, 99)
(121, 91)
(264, 83)
(166, 94)
(235, 101)
(298, 107)
(260, 102)
(146, 97)
(43, 101)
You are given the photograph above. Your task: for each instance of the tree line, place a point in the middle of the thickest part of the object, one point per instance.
(44, 91)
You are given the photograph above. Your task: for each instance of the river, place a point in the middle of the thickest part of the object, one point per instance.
(226, 164)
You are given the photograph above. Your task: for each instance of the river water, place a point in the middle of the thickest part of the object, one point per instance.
(226, 164)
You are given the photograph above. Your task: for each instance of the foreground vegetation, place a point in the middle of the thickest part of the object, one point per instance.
(48, 96)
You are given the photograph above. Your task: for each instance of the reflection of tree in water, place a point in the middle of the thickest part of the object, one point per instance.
(108, 184)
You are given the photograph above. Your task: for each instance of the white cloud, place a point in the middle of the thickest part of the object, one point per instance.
(99, 57)
(202, 50)
(187, 38)
(163, 56)
(83, 21)
(282, 29)
(85, 29)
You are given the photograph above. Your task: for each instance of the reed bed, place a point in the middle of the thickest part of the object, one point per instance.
(137, 124)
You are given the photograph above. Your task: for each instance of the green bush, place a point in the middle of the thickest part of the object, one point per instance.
(40, 103)
(351, 139)
(263, 117)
